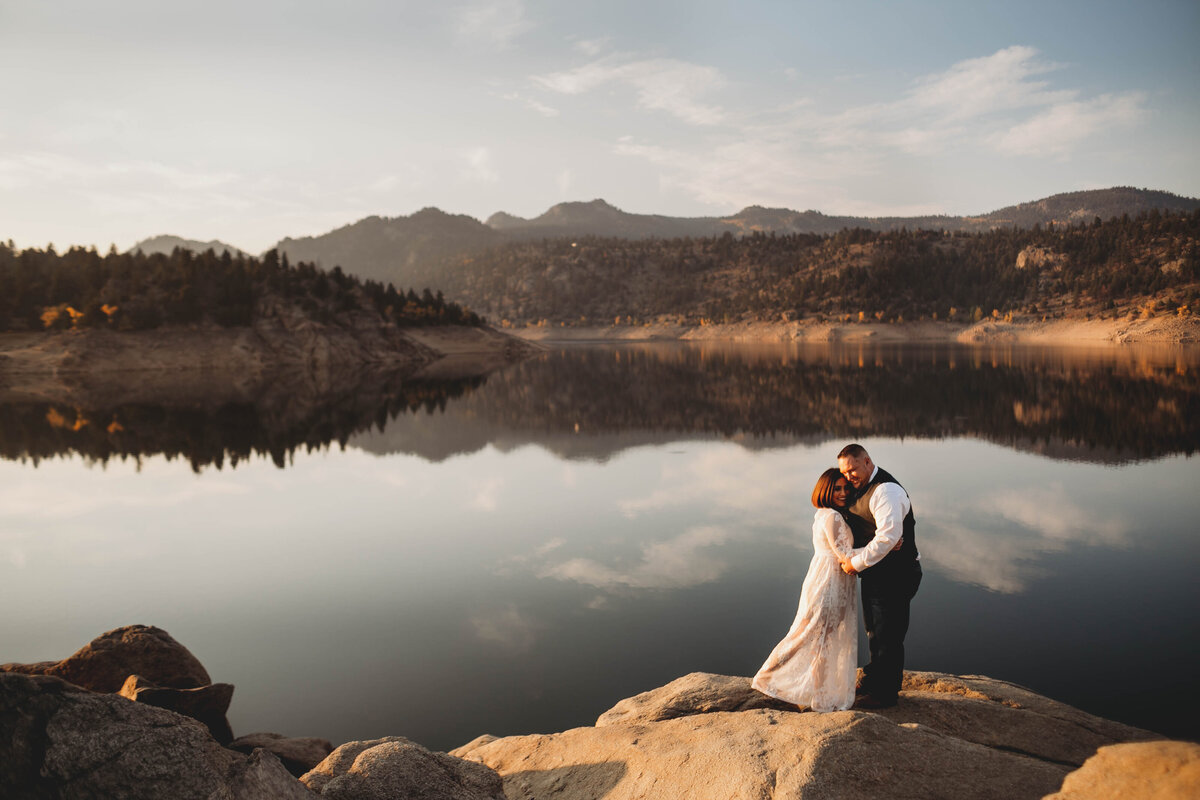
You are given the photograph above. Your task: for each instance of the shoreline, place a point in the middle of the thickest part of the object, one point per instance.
(243, 352)
(1057, 332)
(703, 735)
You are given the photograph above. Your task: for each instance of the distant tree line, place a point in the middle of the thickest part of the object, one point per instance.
(891, 275)
(43, 289)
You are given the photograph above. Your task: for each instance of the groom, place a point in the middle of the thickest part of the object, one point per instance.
(880, 514)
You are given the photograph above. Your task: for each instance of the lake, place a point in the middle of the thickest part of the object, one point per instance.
(514, 553)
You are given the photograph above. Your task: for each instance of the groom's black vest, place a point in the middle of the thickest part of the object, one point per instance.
(862, 524)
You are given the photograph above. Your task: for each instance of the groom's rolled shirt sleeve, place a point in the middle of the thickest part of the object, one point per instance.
(889, 505)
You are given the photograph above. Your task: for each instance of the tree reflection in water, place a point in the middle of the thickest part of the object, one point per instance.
(1110, 405)
(1095, 405)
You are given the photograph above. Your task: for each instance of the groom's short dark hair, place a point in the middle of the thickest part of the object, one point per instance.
(852, 451)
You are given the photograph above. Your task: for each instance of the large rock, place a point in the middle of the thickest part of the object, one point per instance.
(1140, 771)
(708, 736)
(299, 753)
(394, 767)
(261, 777)
(57, 740)
(697, 693)
(206, 704)
(103, 664)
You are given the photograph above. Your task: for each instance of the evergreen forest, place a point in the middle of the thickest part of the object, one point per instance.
(46, 290)
(1150, 261)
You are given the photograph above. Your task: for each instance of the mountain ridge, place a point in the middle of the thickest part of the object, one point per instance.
(409, 250)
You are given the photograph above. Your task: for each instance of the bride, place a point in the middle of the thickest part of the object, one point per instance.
(814, 665)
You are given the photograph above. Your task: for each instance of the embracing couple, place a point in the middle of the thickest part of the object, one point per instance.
(864, 527)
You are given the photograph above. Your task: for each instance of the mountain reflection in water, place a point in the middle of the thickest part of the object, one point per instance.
(1109, 406)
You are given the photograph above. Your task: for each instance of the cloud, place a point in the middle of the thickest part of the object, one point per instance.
(807, 155)
(497, 23)
(531, 103)
(565, 180)
(30, 500)
(25, 169)
(591, 47)
(1057, 130)
(506, 626)
(660, 84)
(979, 86)
(685, 560)
(477, 166)
(487, 494)
(997, 540)
(735, 482)
(1056, 519)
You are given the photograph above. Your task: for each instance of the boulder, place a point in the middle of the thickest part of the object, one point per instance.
(259, 777)
(206, 704)
(103, 664)
(299, 754)
(708, 736)
(1139, 771)
(393, 767)
(697, 693)
(57, 740)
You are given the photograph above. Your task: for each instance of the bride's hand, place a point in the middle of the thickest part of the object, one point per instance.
(899, 544)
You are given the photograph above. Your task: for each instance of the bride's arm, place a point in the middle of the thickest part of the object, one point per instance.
(831, 527)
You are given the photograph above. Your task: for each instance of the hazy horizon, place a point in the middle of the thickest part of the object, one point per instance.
(249, 123)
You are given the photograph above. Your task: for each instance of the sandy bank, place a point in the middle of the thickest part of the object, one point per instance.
(1160, 329)
(253, 350)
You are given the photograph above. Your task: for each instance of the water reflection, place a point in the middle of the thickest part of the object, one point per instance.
(660, 525)
(216, 427)
(1106, 406)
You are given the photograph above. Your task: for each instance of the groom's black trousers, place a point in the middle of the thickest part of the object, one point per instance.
(886, 598)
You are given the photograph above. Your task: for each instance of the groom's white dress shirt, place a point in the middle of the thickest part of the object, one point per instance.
(889, 506)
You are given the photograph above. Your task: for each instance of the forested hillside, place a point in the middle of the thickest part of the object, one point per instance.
(1096, 266)
(413, 250)
(42, 289)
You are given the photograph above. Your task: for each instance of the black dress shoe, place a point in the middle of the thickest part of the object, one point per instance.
(869, 702)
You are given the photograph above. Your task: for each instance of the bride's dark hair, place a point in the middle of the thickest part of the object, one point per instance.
(822, 496)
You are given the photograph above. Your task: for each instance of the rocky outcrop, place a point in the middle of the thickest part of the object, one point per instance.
(1034, 257)
(701, 736)
(393, 767)
(206, 704)
(707, 736)
(299, 754)
(697, 693)
(144, 664)
(57, 740)
(104, 663)
(1141, 771)
(260, 777)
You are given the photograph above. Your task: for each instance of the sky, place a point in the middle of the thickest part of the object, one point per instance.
(251, 120)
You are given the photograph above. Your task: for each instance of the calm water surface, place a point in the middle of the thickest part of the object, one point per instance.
(515, 554)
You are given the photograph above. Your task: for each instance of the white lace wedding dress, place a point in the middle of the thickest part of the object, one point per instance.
(814, 665)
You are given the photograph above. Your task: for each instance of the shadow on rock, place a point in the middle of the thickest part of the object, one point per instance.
(582, 780)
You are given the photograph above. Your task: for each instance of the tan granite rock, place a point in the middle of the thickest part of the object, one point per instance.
(708, 736)
(1139, 771)
(394, 767)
